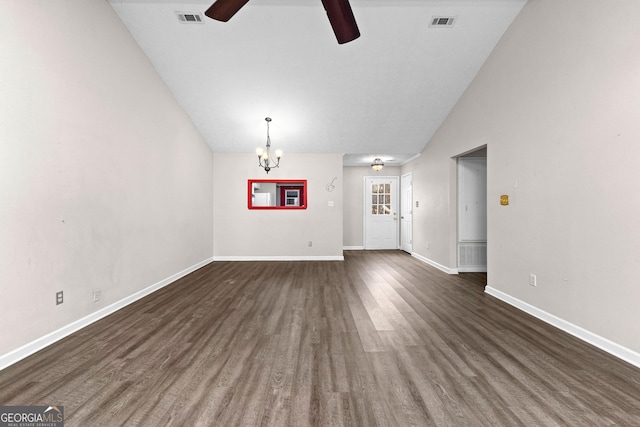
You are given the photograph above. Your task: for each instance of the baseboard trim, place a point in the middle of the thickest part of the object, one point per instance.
(279, 258)
(472, 269)
(26, 350)
(353, 248)
(602, 343)
(435, 264)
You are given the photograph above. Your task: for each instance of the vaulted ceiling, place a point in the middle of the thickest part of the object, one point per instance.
(383, 94)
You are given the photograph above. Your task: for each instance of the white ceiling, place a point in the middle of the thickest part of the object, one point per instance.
(384, 94)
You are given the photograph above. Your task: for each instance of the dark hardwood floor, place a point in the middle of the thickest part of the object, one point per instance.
(379, 339)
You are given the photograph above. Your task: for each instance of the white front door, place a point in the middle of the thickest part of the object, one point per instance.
(380, 212)
(406, 213)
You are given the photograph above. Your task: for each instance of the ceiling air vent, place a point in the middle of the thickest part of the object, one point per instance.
(442, 21)
(189, 17)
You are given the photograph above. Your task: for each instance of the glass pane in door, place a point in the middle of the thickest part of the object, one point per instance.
(381, 199)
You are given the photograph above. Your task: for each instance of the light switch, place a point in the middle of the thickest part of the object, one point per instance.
(331, 203)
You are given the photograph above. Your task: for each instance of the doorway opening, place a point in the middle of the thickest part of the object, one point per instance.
(472, 211)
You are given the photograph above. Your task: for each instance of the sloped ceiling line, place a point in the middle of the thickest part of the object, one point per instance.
(385, 93)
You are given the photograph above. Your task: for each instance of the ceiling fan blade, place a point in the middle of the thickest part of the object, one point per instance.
(342, 20)
(223, 10)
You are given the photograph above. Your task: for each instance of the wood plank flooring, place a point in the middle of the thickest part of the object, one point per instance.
(379, 339)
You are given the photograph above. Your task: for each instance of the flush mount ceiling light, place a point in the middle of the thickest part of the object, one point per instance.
(265, 160)
(377, 164)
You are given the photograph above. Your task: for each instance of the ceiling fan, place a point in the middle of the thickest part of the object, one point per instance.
(338, 11)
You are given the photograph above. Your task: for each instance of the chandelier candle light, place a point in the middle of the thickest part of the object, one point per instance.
(264, 156)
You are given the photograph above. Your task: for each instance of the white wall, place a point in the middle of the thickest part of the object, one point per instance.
(104, 181)
(435, 200)
(241, 233)
(354, 200)
(558, 104)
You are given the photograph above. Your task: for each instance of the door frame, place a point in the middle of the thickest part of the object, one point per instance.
(475, 246)
(394, 208)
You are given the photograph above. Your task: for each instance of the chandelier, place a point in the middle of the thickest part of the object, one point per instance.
(377, 164)
(265, 160)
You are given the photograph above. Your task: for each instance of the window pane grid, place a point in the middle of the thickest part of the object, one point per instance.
(381, 199)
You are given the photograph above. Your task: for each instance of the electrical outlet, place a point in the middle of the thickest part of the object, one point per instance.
(310, 243)
(96, 295)
(533, 280)
(59, 298)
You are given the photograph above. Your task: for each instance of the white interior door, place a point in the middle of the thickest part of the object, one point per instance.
(381, 213)
(406, 213)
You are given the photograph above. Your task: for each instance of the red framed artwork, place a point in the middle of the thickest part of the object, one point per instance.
(277, 194)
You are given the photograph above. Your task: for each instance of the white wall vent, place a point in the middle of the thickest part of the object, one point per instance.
(472, 257)
(189, 17)
(442, 21)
